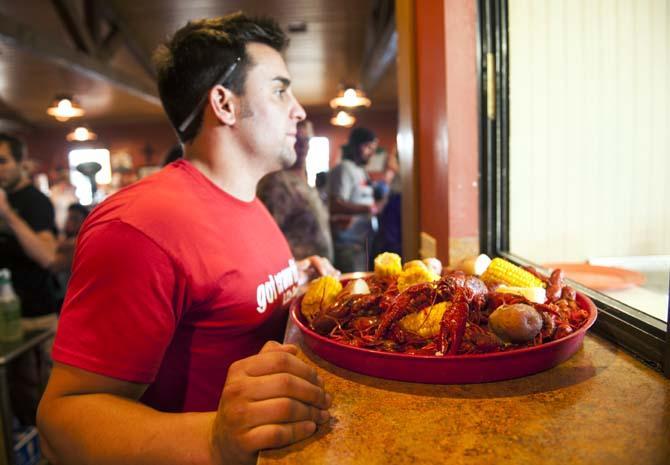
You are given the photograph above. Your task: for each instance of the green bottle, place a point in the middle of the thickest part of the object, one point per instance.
(10, 309)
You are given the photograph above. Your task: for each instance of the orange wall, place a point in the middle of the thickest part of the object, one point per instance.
(461, 39)
(49, 148)
(431, 132)
(446, 130)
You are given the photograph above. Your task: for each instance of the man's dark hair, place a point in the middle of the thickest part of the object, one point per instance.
(189, 63)
(357, 137)
(174, 154)
(79, 208)
(16, 146)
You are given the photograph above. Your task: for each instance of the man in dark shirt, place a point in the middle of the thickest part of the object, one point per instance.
(27, 249)
(27, 233)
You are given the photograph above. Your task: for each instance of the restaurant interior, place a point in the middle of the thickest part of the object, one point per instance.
(532, 130)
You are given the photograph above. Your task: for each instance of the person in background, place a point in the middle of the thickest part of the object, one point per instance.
(296, 206)
(321, 184)
(62, 195)
(166, 348)
(27, 236)
(27, 249)
(76, 214)
(352, 202)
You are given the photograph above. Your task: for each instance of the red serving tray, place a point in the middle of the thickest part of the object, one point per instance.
(450, 369)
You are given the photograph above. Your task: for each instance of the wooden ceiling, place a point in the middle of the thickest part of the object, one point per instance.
(99, 51)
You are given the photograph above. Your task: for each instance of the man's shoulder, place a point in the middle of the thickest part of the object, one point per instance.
(34, 207)
(166, 193)
(32, 194)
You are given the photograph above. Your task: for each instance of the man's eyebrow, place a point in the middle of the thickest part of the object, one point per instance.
(284, 80)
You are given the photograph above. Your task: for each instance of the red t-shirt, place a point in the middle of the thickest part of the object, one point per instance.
(173, 280)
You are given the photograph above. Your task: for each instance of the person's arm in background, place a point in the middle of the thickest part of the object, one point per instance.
(315, 266)
(269, 400)
(64, 253)
(341, 184)
(339, 206)
(40, 246)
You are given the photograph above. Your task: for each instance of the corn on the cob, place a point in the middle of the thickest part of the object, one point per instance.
(388, 264)
(413, 263)
(425, 322)
(502, 271)
(535, 294)
(320, 294)
(415, 275)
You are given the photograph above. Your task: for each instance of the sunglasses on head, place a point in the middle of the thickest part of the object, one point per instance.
(220, 81)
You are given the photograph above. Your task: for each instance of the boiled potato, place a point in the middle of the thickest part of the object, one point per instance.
(433, 264)
(515, 323)
(356, 286)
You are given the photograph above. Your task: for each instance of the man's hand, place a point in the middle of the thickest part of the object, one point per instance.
(270, 400)
(315, 266)
(5, 207)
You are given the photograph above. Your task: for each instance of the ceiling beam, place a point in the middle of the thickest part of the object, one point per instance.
(382, 46)
(68, 16)
(110, 44)
(93, 19)
(111, 11)
(22, 37)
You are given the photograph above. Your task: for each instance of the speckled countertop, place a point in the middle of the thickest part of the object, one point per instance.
(600, 407)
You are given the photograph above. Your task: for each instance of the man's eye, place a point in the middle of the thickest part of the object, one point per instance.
(280, 92)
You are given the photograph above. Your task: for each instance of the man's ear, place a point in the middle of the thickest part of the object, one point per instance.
(223, 104)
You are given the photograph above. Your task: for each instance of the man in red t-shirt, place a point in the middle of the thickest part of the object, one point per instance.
(180, 280)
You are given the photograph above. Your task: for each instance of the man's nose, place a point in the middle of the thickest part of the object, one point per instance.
(298, 111)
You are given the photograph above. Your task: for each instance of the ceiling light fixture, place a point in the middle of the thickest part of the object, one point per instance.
(350, 97)
(343, 119)
(63, 108)
(81, 134)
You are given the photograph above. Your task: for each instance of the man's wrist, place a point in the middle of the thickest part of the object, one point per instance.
(215, 452)
(9, 215)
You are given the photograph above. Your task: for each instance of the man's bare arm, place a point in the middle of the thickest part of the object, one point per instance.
(270, 400)
(39, 246)
(85, 418)
(339, 206)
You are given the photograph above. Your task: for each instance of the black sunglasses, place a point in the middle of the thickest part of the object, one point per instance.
(221, 81)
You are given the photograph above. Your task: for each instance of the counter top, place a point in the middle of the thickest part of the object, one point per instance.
(11, 350)
(600, 406)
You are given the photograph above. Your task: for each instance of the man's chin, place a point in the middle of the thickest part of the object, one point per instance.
(288, 160)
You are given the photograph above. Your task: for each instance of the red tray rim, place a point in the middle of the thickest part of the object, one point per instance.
(584, 301)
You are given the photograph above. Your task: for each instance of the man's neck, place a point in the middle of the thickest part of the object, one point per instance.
(228, 168)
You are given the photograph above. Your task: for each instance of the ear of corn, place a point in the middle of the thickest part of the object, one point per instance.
(502, 271)
(425, 322)
(535, 294)
(320, 294)
(388, 264)
(414, 263)
(415, 275)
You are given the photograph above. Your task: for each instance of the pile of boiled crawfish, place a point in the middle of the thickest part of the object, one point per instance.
(371, 320)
